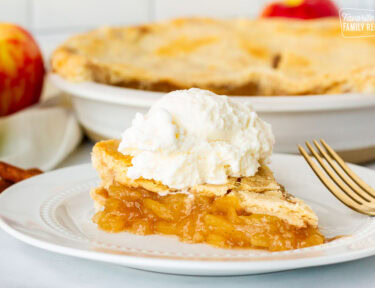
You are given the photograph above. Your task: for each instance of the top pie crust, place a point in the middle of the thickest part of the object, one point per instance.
(233, 57)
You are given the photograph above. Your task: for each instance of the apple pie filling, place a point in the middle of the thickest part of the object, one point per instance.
(219, 221)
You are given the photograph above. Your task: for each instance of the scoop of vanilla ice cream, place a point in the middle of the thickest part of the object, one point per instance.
(194, 136)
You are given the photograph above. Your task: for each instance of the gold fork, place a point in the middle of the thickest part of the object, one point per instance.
(339, 179)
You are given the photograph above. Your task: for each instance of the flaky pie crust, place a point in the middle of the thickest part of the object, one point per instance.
(259, 194)
(233, 57)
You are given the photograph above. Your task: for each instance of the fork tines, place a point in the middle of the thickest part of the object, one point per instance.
(339, 179)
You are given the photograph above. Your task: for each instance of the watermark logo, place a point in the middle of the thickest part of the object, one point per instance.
(357, 22)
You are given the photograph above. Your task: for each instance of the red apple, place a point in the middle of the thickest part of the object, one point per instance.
(21, 69)
(302, 9)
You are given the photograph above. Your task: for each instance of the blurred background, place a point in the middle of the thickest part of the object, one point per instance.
(51, 21)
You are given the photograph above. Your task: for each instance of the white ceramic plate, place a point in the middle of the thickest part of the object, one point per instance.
(53, 212)
(344, 121)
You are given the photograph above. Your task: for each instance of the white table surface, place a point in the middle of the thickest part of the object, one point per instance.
(24, 266)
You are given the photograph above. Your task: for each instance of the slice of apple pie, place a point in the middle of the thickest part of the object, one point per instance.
(246, 212)
(195, 166)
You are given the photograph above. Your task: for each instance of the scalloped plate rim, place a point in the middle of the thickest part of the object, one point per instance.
(182, 266)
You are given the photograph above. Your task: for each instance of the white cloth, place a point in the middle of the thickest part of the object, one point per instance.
(40, 136)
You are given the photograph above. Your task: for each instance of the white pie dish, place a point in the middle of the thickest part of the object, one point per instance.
(52, 211)
(344, 120)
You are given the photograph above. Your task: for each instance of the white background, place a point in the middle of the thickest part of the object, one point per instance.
(52, 21)
(64, 16)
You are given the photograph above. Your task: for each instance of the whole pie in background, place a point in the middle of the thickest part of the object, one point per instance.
(234, 57)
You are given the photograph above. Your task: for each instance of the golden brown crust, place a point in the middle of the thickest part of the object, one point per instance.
(233, 57)
(259, 194)
(112, 167)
